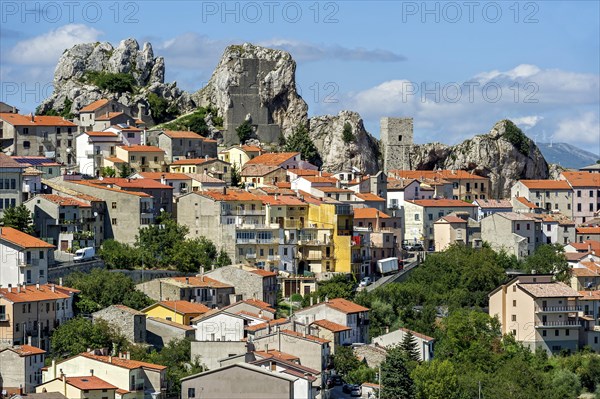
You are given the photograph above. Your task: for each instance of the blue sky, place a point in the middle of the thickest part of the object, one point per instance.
(537, 63)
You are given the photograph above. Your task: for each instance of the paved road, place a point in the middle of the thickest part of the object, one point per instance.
(392, 277)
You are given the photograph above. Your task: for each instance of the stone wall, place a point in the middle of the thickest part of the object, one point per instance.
(397, 137)
(132, 326)
(210, 352)
(159, 334)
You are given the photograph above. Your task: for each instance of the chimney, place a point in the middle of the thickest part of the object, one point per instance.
(320, 173)
(110, 359)
(37, 286)
(163, 180)
(18, 288)
(32, 116)
(53, 288)
(187, 280)
(60, 281)
(92, 372)
(53, 368)
(224, 189)
(206, 157)
(387, 329)
(64, 380)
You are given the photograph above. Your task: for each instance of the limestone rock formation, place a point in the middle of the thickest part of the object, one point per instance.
(505, 155)
(361, 152)
(148, 72)
(259, 81)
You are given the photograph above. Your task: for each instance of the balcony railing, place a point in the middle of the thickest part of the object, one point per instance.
(30, 262)
(558, 309)
(251, 255)
(243, 212)
(257, 226)
(245, 240)
(557, 323)
(136, 387)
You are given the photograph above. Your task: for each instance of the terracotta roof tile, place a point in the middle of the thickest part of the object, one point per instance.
(30, 293)
(548, 290)
(272, 353)
(275, 158)
(8, 162)
(346, 306)
(307, 336)
(546, 184)
(24, 350)
(527, 203)
(588, 230)
(195, 161)
(272, 323)
(590, 295)
(141, 148)
(125, 363)
(182, 307)
(131, 183)
(369, 213)
(166, 175)
(26, 120)
(439, 203)
(21, 239)
(177, 134)
(259, 304)
(582, 179)
(204, 281)
(91, 383)
(452, 219)
(417, 334)
(331, 326)
(94, 106)
(433, 174)
(64, 201)
(109, 115)
(492, 203)
(585, 246)
(101, 134)
(249, 170)
(369, 197)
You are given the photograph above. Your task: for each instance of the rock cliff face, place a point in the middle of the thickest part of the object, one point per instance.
(148, 72)
(327, 133)
(259, 83)
(505, 155)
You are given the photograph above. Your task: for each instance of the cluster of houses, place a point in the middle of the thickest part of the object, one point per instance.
(286, 225)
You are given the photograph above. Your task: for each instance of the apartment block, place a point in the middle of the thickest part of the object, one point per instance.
(512, 232)
(550, 195)
(466, 186)
(11, 182)
(586, 194)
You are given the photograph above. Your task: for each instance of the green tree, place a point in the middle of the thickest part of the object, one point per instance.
(108, 171)
(347, 135)
(223, 260)
(159, 242)
(18, 218)
(339, 286)
(344, 360)
(159, 108)
(300, 141)
(361, 374)
(126, 170)
(410, 347)
(549, 258)
(101, 288)
(244, 132)
(190, 255)
(79, 334)
(436, 379)
(395, 378)
(112, 82)
(176, 357)
(564, 384)
(117, 255)
(236, 178)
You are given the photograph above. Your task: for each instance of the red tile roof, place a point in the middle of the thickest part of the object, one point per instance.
(527, 203)
(272, 353)
(166, 175)
(182, 307)
(275, 158)
(546, 184)
(24, 350)
(435, 174)
(141, 148)
(103, 187)
(230, 195)
(588, 230)
(582, 179)
(9, 162)
(91, 383)
(179, 134)
(108, 116)
(259, 304)
(263, 273)
(64, 201)
(26, 120)
(345, 306)
(331, 326)
(251, 148)
(125, 363)
(305, 336)
(101, 134)
(369, 197)
(94, 106)
(453, 219)
(21, 239)
(272, 323)
(194, 161)
(30, 293)
(369, 213)
(131, 183)
(584, 246)
(442, 203)
(203, 281)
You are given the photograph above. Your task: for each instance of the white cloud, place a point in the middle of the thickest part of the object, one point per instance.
(539, 100)
(46, 49)
(584, 128)
(307, 52)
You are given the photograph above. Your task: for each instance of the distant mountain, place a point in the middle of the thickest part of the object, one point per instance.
(567, 155)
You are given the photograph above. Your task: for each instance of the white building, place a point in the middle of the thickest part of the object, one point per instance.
(92, 148)
(24, 258)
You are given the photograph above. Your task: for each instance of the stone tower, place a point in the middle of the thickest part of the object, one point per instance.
(396, 139)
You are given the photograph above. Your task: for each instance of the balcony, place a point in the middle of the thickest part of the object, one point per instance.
(558, 309)
(558, 324)
(251, 255)
(293, 224)
(257, 226)
(136, 387)
(245, 240)
(243, 212)
(29, 263)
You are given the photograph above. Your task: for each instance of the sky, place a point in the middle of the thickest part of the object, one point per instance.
(455, 67)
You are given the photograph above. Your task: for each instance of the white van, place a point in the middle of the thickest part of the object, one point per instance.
(84, 254)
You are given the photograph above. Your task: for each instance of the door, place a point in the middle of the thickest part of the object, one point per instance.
(64, 245)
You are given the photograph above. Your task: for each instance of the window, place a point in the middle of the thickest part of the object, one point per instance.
(416, 216)
(430, 216)
(191, 392)
(556, 333)
(518, 226)
(514, 288)
(114, 205)
(514, 317)
(3, 313)
(26, 144)
(578, 207)
(528, 226)
(591, 193)
(169, 318)
(578, 193)
(130, 135)
(114, 221)
(543, 333)
(514, 303)
(548, 227)
(567, 332)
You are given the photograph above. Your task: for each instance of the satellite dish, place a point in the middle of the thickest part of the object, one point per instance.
(95, 214)
(101, 178)
(69, 150)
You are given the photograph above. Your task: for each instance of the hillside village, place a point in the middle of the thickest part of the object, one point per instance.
(257, 320)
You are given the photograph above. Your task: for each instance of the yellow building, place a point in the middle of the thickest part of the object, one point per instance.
(237, 156)
(181, 312)
(213, 167)
(142, 158)
(90, 387)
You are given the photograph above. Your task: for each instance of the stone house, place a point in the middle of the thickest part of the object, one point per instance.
(212, 166)
(424, 343)
(21, 368)
(200, 289)
(512, 232)
(185, 145)
(129, 322)
(550, 195)
(586, 194)
(142, 158)
(255, 284)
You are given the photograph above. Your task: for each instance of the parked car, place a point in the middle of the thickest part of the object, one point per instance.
(418, 247)
(356, 390)
(84, 254)
(347, 388)
(365, 281)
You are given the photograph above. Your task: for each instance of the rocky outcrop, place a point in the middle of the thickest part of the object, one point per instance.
(362, 151)
(261, 79)
(72, 87)
(505, 155)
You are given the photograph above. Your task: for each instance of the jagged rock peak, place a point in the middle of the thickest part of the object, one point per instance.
(359, 149)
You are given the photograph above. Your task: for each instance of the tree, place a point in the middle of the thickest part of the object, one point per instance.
(549, 258)
(436, 379)
(347, 135)
(361, 374)
(79, 334)
(190, 255)
(176, 357)
(410, 348)
(101, 288)
(158, 242)
(300, 141)
(223, 260)
(344, 360)
(125, 170)
(18, 218)
(117, 255)
(108, 171)
(236, 178)
(395, 379)
(564, 385)
(339, 286)
(244, 132)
